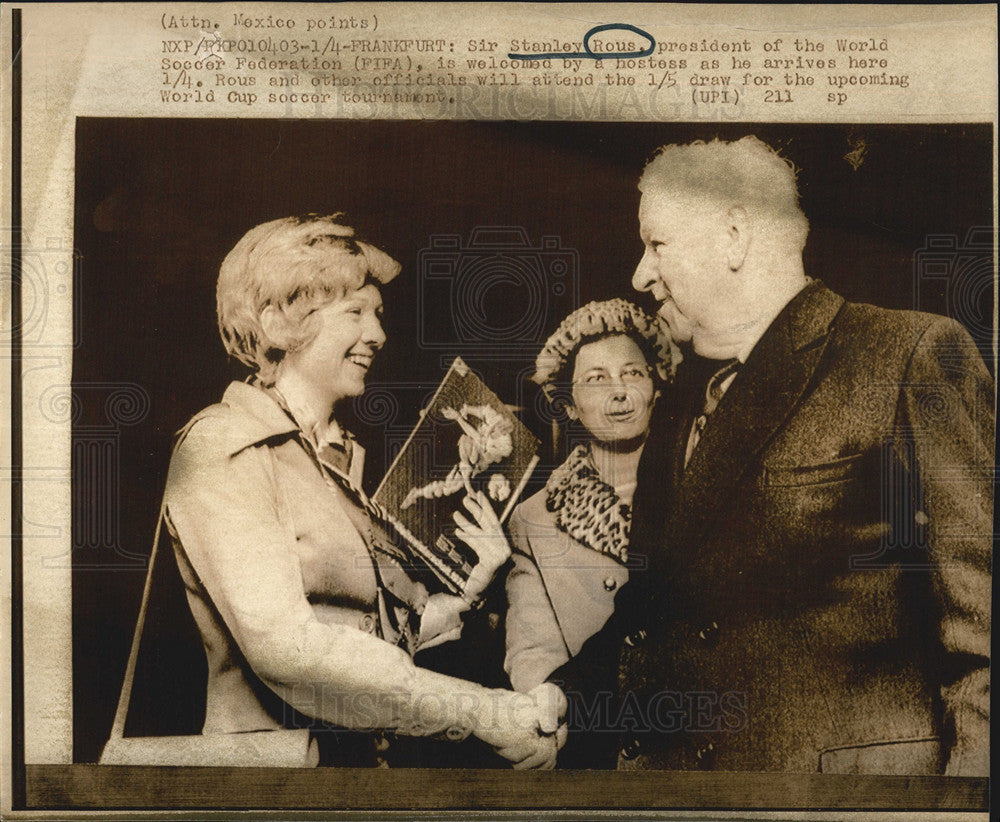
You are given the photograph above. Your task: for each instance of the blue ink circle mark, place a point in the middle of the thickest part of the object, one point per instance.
(589, 54)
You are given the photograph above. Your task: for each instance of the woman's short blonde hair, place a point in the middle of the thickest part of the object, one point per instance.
(297, 265)
(594, 321)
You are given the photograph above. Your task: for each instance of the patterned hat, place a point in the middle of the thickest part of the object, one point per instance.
(599, 319)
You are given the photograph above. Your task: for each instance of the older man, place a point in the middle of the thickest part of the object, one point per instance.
(816, 507)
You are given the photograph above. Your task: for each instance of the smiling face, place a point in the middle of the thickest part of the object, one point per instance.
(684, 264)
(613, 392)
(334, 364)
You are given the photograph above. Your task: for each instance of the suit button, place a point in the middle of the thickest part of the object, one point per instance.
(610, 584)
(381, 746)
(636, 638)
(367, 623)
(631, 748)
(709, 635)
(705, 756)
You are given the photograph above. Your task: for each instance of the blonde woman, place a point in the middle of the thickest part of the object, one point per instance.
(295, 580)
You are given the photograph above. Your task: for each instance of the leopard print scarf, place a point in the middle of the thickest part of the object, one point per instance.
(587, 508)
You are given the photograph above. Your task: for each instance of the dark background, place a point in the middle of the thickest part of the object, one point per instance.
(160, 202)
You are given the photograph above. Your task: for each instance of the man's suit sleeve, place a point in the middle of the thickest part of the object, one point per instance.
(946, 417)
(593, 671)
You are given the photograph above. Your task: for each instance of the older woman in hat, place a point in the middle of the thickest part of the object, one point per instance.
(605, 365)
(295, 579)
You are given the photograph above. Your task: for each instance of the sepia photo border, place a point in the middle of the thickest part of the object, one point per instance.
(131, 790)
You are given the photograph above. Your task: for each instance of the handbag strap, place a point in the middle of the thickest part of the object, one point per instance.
(118, 726)
(125, 697)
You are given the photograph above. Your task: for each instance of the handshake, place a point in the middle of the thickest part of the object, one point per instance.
(526, 729)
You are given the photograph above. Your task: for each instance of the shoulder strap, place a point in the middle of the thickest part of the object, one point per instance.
(118, 726)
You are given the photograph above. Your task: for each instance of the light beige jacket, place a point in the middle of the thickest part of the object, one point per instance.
(559, 593)
(284, 591)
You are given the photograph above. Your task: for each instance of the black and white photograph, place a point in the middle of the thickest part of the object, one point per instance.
(758, 534)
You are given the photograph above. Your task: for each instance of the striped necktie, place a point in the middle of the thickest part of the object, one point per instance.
(717, 386)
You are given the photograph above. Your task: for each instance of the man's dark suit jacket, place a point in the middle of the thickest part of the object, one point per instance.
(817, 589)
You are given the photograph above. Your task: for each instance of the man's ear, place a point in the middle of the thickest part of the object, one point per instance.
(571, 411)
(272, 323)
(738, 230)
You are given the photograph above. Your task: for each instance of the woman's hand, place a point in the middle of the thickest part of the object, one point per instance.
(485, 536)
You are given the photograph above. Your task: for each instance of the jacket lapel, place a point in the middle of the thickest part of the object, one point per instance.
(575, 579)
(658, 476)
(770, 384)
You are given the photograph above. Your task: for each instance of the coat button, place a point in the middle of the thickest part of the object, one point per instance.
(367, 623)
(381, 747)
(705, 756)
(455, 733)
(709, 635)
(636, 638)
(631, 749)
(610, 584)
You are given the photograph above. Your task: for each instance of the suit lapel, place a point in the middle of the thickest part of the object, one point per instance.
(658, 475)
(769, 386)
